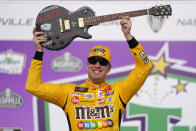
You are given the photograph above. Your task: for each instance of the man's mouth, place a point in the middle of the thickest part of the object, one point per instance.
(96, 71)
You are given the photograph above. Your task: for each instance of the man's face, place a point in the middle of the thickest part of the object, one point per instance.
(97, 69)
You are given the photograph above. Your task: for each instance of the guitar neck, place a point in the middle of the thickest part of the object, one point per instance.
(106, 18)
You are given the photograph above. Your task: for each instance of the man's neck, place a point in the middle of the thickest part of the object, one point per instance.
(96, 81)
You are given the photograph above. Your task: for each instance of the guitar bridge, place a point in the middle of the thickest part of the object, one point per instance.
(81, 22)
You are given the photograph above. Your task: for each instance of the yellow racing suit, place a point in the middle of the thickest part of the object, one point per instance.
(89, 106)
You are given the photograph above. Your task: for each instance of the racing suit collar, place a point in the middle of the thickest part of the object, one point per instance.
(95, 85)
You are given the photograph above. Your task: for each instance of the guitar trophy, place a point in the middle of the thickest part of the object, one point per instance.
(61, 26)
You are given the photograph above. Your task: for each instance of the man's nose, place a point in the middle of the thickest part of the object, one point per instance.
(97, 64)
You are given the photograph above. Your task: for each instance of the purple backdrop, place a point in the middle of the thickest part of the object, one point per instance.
(23, 116)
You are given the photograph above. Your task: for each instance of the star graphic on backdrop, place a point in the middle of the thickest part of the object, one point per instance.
(160, 65)
(180, 87)
(164, 64)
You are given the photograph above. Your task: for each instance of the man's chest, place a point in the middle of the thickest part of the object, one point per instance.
(93, 103)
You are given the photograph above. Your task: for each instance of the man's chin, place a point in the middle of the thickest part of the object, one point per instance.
(97, 78)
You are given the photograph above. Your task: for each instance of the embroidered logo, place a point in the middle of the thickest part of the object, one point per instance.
(98, 112)
(89, 95)
(100, 93)
(144, 57)
(81, 89)
(75, 100)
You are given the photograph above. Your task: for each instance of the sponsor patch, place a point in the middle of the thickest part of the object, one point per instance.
(99, 51)
(110, 99)
(98, 112)
(109, 92)
(108, 88)
(144, 57)
(76, 94)
(100, 101)
(89, 95)
(81, 89)
(100, 94)
(75, 100)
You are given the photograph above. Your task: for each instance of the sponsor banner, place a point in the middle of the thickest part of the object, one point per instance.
(18, 19)
(12, 62)
(165, 99)
(66, 63)
(9, 99)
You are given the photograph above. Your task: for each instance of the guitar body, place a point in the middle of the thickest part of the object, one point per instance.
(61, 26)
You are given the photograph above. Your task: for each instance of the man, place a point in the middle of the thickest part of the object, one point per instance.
(94, 104)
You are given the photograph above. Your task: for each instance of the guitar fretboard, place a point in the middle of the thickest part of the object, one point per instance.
(106, 18)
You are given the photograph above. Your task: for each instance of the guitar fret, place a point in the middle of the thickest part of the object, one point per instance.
(106, 18)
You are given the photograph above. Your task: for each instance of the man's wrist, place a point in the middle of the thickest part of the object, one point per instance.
(129, 37)
(38, 55)
(132, 43)
(39, 49)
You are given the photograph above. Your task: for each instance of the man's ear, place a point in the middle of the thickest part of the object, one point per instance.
(109, 67)
(87, 65)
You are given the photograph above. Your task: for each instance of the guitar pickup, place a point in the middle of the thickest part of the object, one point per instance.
(67, 24)
(61, 25)
(81, 22)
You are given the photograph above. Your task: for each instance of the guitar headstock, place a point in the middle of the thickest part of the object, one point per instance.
(163, 10)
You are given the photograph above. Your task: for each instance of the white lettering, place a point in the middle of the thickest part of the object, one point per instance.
(15, 22)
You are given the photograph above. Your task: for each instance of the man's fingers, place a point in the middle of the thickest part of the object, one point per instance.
(125, 17)
(34, 29)
(41, 38)
(37, 33)
(125, 22)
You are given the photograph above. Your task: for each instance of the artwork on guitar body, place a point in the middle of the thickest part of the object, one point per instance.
(61, 26)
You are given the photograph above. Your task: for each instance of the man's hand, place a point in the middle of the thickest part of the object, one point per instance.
(37, 39)
(126, 27)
